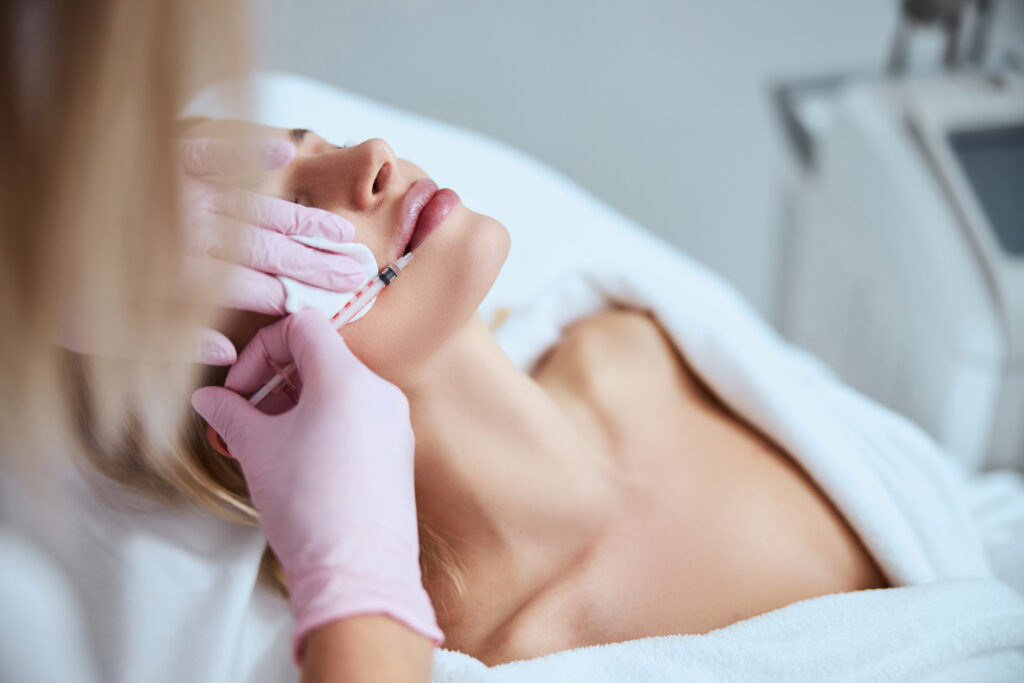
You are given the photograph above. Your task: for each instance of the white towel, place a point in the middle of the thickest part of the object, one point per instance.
(911, 504)
(957, 630)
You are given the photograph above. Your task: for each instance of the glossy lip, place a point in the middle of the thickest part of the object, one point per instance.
(432, 215)
(416, 221)
(415, 199)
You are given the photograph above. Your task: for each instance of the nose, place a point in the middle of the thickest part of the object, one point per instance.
(376, 163)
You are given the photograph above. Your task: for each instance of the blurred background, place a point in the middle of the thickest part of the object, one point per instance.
(660, 108)
(856, 169)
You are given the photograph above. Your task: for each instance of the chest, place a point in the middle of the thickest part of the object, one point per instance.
(723, 524)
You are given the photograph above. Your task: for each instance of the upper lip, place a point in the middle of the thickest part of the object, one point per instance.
(416, 197)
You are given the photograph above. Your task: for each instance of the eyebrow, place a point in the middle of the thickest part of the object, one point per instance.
(297, 135)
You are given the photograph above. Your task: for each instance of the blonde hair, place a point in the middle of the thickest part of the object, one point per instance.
(89, 201)
(89, 207)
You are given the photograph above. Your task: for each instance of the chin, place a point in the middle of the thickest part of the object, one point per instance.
(481, 255)
(433, 299)
(462, 259)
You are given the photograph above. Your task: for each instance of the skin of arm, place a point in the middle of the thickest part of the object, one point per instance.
(367, 648)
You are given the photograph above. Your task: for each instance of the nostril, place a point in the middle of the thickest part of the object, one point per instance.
(381, 181)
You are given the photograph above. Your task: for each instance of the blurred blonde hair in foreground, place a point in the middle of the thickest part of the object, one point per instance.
(89, 207)
(91, 241)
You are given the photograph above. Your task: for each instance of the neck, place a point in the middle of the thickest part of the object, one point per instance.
(502, 473)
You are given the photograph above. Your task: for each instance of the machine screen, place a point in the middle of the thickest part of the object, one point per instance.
(993, 161)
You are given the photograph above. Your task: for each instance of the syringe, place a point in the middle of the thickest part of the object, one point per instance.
(362, 298)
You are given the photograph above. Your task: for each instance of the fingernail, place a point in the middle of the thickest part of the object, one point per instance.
(347, 281)
(217, 354)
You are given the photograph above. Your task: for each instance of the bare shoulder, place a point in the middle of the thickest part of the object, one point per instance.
(611, 339)
(615, 329)
(615, 357)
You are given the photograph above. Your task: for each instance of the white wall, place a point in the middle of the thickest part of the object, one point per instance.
(659, 107)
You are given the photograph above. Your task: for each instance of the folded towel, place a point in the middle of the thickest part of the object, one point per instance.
(956, 630)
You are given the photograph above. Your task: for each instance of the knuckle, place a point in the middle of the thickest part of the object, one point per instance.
(220, 420)
(194, 155)
(293, 222)
(255, 251)
(311, 223)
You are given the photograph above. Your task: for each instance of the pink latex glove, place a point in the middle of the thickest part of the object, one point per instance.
(242, 237)
(332, 476)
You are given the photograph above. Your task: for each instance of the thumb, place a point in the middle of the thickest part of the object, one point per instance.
(228, 413)
(213, 348)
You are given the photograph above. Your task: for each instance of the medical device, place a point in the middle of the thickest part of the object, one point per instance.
(902, 254)
(362, 298)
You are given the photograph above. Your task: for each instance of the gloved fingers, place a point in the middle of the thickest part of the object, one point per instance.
(260, 359)
(219, 283)
(283, 216)
(321, 356)
(226, 157)
(228, 414)
(275, 254)
(305, 338)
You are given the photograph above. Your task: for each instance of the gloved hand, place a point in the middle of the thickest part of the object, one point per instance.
(236, 242)
(332, 476)
(241, 238)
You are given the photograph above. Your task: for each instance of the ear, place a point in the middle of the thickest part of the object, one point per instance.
(216, 442)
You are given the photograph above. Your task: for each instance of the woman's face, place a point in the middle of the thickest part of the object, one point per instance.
(367, 184)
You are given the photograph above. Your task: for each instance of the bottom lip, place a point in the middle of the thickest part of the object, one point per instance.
(432, 215)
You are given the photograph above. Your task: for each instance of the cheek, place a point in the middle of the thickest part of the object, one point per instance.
(436, 295)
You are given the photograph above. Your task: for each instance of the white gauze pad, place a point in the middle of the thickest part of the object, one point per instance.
(299, 295)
